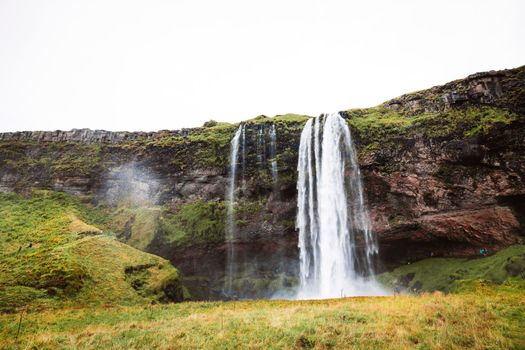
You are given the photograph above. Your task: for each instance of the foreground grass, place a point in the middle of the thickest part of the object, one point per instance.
(485, 317)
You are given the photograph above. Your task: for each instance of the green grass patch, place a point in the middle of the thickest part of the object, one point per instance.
(447, 274)
(283, 119)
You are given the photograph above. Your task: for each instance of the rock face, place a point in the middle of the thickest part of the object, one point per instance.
(443, 169)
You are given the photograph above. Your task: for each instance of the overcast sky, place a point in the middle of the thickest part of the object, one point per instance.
(150, 65)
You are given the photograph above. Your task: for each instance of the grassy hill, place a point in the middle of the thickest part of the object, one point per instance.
(57, 251)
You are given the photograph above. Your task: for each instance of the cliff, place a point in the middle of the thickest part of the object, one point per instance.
(443, 172)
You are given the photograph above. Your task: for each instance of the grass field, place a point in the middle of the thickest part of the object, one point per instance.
(483, 316)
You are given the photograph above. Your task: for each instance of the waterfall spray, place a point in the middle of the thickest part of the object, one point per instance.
(335, 239)
(231, 229)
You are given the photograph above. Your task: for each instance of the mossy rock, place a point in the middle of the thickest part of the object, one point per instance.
(516, 266)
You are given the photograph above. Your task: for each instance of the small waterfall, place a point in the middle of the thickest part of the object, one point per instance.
(261, 147)
(273, 154)
(243, 146)
(335, 238)
(231, 229)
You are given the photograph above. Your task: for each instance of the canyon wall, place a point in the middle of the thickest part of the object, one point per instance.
(443, 171)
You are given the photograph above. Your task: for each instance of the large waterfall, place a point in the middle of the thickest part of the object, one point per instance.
(335, 239)
(231, 229)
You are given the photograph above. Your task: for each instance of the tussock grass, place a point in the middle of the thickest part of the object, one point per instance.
(483, 317)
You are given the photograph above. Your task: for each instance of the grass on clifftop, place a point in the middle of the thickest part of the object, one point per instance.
(379, 122)
(484, 317)
(54, 254)
(289, 118)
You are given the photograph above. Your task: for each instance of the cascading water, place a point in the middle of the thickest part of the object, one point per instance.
(243, 146)
(273, 154)
(261, 147)
(335, 239)
(231, 229)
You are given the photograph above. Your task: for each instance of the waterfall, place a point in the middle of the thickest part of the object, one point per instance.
(335, 239)
(243, 146)
(273, 154)
(231, 229)
(261, 147)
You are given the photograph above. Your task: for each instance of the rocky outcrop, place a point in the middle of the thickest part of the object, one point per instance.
(88, 135)
(498, 88)
(443, 169)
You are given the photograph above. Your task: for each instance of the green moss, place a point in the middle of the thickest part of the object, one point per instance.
(464, 122)
(247, 210)
(203, 147)
(485, 118)
(199, 222)
(384, 125)
(446, 274)
(77, 158)
(261, 119)
(377, 118)
(291, 118)
(56, 158)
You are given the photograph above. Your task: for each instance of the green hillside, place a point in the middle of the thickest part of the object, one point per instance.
(57, 251)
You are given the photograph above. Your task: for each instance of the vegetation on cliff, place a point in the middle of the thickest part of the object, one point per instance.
(380, 123)
(197, 222)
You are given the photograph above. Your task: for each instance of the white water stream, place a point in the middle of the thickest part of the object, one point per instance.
(336, 243)
(231, 229)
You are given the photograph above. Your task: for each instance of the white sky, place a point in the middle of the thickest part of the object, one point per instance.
(150, 65)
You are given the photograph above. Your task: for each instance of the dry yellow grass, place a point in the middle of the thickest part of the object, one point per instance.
(483, 318)
(78, 226)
